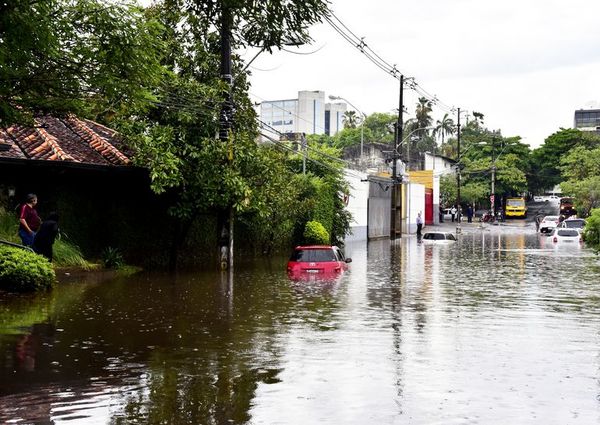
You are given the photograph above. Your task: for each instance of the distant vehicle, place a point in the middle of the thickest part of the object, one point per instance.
(515, 207)
(573, 223)
(560, 235)
(317, 260)
(546, 198)
(566, 207)
(548, 223)
(438, 237)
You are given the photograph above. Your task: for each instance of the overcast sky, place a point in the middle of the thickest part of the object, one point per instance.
(526, 64)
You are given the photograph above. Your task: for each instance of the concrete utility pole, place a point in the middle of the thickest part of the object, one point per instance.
(396, 222)
(494, 175)
(458, 200)
(225, 124)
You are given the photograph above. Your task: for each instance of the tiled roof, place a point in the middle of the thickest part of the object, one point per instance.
(63, 139)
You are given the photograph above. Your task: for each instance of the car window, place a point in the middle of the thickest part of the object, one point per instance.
(568, 232)
(450, 237)
(574, 224)
(313, 255)
(434, 236)
(551, 218)
(339, 254)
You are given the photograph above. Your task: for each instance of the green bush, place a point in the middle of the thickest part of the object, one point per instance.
(112, 258)
(591, 233)
(24, 271)
(67, 254)
(315, 234)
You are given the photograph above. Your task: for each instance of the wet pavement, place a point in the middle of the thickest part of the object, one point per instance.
(499, 327)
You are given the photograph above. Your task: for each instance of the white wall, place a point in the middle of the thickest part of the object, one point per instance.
(311, 112)
(357, 204)
(415, 203)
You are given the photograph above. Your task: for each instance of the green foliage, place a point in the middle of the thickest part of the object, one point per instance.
(315, 234)
(67, 254)
(591, 233)
(381, 127)
(75, 56)
(448, 190)
(547, 158)
(24, 271)
(112, 258)
(350, 136)
(581, 171)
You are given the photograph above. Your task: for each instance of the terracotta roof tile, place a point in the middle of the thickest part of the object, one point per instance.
(63, 139)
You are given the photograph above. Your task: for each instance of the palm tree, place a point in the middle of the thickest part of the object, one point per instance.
(350, 119)
(444, 127)
(422, 113)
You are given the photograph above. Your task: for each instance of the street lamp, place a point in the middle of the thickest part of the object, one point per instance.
(362, 124)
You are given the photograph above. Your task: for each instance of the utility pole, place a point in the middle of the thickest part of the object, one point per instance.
(458, 229)
(225, 124)
(494, 175)
(304, 152)
(396, 223)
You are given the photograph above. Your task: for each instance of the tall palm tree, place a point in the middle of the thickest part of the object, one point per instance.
(444, 127)
(350, 119)
(423, 113)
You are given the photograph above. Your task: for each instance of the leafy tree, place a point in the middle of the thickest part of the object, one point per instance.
(351, 137)
(423, 114)
(381, 126)
(85, 56)
(591, 233)
(175, 139)
(581, 171)
(547, 158)
(448, 190)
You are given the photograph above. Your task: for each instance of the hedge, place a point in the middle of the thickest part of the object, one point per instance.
(24, 271)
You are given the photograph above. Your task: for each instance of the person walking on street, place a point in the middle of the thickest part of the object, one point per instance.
(441, 214)
(453, 212)
(29, 220)
(419, 225)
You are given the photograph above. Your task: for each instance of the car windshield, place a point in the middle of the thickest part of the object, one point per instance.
(574, 224)
(566, 201)
(568, 232)
(515, 203)
(551, 218)
(313, 255)
(434, 236)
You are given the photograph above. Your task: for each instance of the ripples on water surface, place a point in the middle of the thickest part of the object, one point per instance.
(495, 329)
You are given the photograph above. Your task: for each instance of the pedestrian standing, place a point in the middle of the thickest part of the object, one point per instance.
(453, 212)
(29, 220)
(538, 220)
(419, 224)
(441, 214)
(470, 214)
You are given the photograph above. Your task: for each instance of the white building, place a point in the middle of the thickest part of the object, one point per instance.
(307, 114)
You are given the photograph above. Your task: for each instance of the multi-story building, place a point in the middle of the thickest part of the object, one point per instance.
(588, 120)
(307, 114)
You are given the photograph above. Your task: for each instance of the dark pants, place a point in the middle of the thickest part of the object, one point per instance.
(453, 217)
(470, 218)
(419, 227)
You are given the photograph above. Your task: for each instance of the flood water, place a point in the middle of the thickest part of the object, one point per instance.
(501, 327)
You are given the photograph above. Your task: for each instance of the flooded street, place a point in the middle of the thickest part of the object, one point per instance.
(499, 327)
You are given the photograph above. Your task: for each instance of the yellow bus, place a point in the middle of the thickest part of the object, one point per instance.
(515, 207)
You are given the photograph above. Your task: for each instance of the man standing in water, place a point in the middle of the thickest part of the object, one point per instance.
(419, 225)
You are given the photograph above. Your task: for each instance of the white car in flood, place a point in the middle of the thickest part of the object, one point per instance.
(566, 236)
(438, 238)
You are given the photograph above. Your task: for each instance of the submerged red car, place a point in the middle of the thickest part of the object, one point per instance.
(319, 260)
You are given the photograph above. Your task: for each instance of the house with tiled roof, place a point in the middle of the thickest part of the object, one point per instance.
(68, 139)
(82, 170)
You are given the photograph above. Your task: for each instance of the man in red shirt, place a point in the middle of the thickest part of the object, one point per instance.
(29, 220)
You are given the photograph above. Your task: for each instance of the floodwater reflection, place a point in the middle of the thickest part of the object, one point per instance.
(495, 328)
